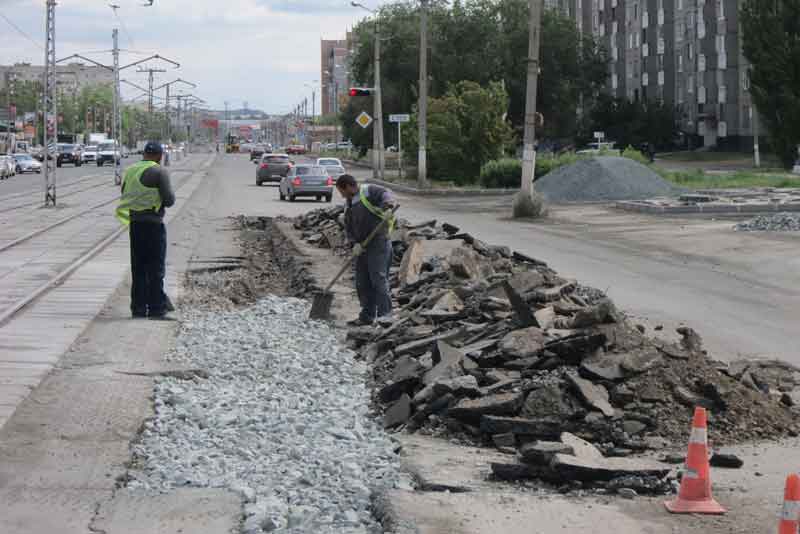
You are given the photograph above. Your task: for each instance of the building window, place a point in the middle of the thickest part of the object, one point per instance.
(722, 129)
(680, 94)
(690, 84)
(701, 62)
(680, 4)
(680, 63)
(661, 45)
(614, 81)
(723, 94)
(630, 41)
(701, 94)
(661, 77)
(614, 53)
(720, 10)
(690, 49)
(614, 27)
(645, 50)
(722, 61)
(645, 19)
(613, 4)
(746, 80)
(645, 79)
(701, 27)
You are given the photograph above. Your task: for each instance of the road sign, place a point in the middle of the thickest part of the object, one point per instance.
(400, 118)
(364, 120)
(599, 135)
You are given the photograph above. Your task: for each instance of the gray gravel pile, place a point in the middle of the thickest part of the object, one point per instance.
(603, 178)
(283, 419)
(779, 222)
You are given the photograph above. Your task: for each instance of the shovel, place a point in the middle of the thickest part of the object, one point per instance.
(321, 306)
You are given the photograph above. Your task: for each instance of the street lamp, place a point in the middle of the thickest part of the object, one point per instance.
(377, 128)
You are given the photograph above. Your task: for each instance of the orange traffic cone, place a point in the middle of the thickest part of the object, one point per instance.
(694, 496)
(790, 515)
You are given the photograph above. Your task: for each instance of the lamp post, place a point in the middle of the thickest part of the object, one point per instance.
(377, 127)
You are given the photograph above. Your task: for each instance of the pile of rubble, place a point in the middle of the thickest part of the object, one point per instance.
(778, 222)
(494, 346)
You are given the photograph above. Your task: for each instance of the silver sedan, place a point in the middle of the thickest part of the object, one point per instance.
(306, 181)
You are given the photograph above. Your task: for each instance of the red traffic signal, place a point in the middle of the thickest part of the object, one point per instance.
(360, 91)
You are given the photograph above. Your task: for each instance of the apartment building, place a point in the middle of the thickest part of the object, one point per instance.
(71, 77)
(334, 72)
(685, 53)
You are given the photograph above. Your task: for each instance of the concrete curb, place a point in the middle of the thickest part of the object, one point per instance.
(715, 209)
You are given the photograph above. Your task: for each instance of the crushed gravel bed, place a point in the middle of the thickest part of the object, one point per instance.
(779, 222)
(601, 179)
(283, 418)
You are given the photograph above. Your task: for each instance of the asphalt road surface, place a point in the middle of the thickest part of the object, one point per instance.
(740, 291)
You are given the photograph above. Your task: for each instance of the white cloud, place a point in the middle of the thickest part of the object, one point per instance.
(258, 51)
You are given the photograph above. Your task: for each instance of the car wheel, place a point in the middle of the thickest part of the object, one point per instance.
(281, 195)
(291, 197)
(328, 198)
(99, 163)
(78, 164)
(58, 164)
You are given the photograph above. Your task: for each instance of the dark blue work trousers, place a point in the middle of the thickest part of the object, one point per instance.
(372, 280)
(148, 258)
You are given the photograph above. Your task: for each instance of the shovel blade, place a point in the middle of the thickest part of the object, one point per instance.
(321, 306)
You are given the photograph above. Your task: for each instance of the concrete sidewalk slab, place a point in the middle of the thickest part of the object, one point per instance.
(182, 511)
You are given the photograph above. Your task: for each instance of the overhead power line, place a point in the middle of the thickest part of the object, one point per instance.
(121, 23)
(22, 33)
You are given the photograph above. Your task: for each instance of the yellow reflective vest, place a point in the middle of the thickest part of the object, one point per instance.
(376, 211)
(135, 196)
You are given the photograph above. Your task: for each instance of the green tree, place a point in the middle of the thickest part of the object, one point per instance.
(771, 44)
(629, 123)
(468, 128)
(483, 41)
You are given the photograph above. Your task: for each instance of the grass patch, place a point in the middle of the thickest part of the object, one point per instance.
(742, 179)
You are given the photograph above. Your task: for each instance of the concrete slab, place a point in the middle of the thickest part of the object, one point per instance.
(53, 464)
(183, 511)
(48, 511)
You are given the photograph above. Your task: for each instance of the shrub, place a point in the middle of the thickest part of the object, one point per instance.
(549, 163)
(501, 173)
(635, 155)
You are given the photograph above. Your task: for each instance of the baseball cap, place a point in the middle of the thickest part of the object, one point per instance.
(153, 148)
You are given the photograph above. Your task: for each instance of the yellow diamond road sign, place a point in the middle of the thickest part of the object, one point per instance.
(364, 120)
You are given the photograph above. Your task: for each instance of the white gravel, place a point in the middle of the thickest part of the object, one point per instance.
(283, 419)
(778, 222)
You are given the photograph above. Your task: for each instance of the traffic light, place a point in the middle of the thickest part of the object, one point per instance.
(361, 91)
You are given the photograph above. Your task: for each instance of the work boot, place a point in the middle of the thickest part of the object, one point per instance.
(168, 306)
(359, 322)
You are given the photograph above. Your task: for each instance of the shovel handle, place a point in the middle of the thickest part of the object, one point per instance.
(363, 246)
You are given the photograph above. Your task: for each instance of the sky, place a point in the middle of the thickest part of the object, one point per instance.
(262, 52)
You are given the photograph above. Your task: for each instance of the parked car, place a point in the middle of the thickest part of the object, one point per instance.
(108, 153)
(26, 163)
(344, 145)
(68, 153)
(334, 171)
(8, 167)
(306, 181)
(273, 168)
(90, 154)
(330, 146)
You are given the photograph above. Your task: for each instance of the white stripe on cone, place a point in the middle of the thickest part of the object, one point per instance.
(698, 435)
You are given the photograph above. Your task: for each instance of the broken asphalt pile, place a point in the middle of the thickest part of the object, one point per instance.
(495, 346)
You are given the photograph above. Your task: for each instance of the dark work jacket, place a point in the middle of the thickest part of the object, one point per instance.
(360, 222)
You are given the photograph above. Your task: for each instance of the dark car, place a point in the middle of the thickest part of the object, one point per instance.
(256, 152)
(68, 154)
(306, 181)
(273, 168)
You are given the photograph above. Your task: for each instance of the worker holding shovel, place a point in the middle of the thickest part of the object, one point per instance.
(369, 208)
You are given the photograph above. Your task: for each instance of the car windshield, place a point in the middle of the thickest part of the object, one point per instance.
(21, 157)
(310, 171)
(91, 148)
(66, 148)
(277, 159)
(328, 162)
(107, 146)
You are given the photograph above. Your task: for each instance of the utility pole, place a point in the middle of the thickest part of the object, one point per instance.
(756, 151)
(378, 126)
(49, 107)
(116, 123)
(422, 105)
(529, 149)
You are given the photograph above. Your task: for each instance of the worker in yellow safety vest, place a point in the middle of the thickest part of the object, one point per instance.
(367, 206)
(146, 191)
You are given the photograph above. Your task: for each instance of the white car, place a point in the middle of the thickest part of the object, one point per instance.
(329, 162)
(26, 163)
(8, 167)
(90, 154)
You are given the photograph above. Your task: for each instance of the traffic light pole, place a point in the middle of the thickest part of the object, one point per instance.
(49, 107)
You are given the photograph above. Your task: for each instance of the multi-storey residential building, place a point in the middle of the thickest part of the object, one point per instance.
(685, 53)
(72, 77)
(334, 73)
